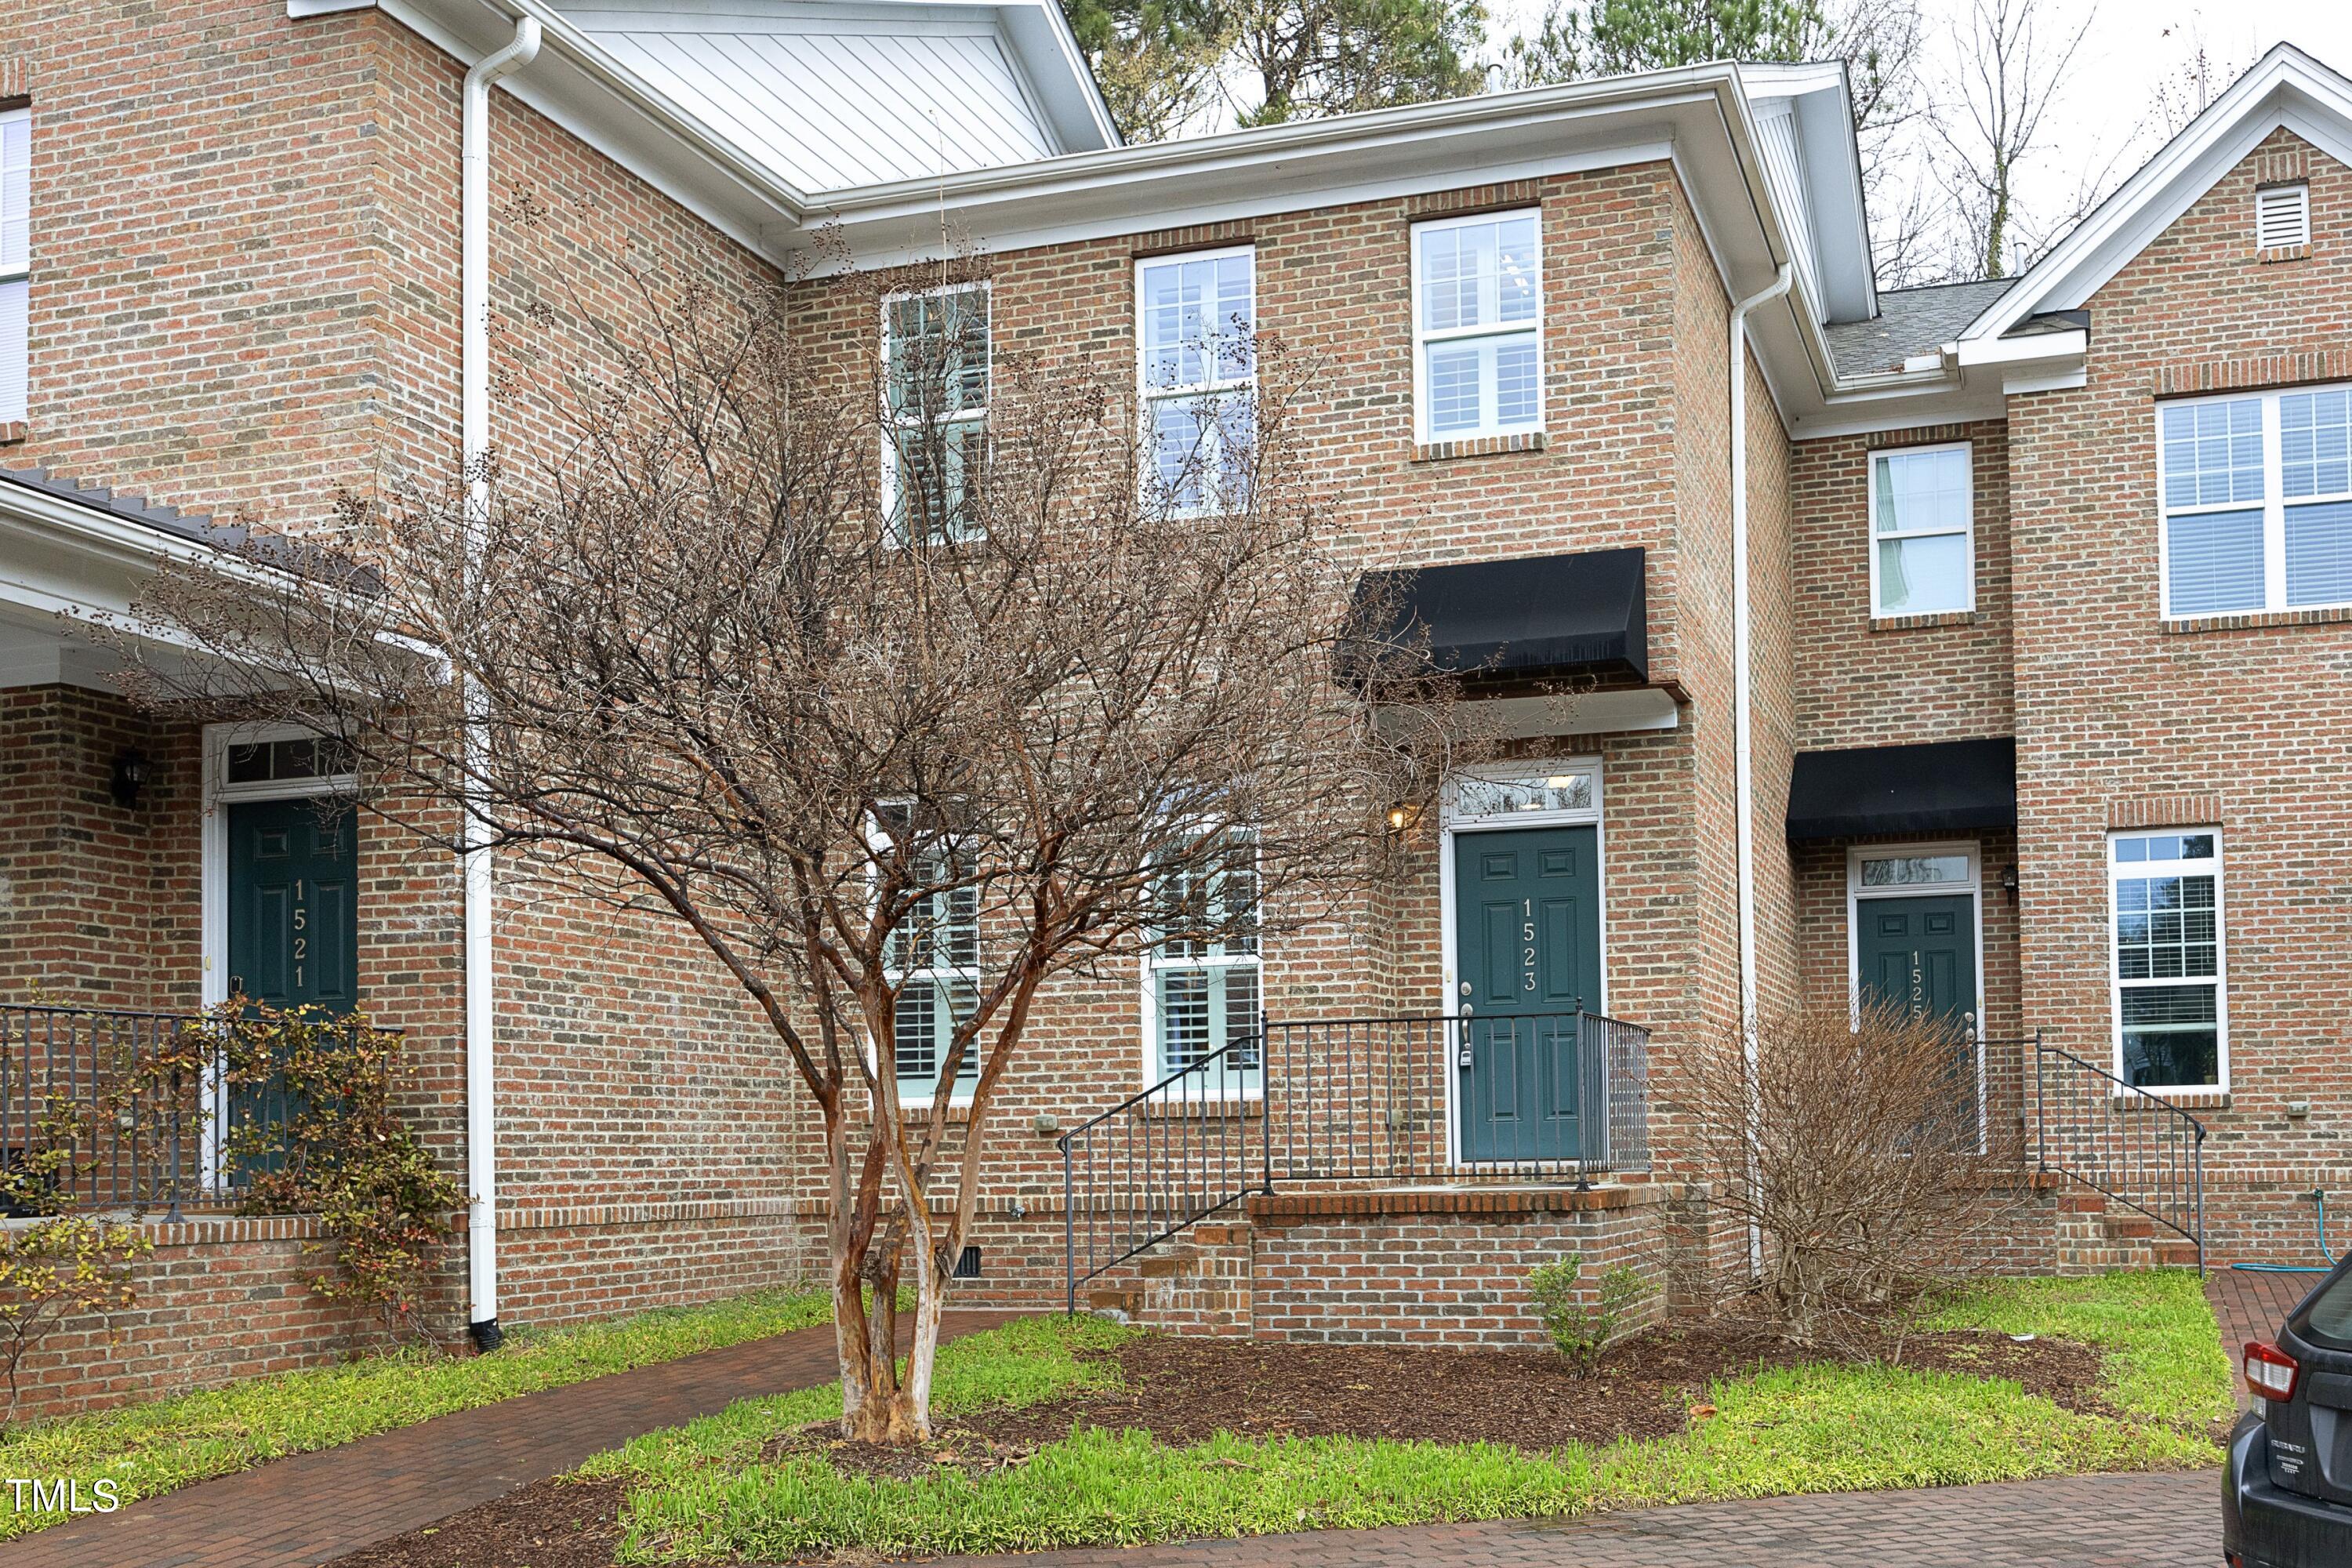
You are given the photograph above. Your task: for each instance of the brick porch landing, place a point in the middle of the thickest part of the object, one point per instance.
(2071, 1521)
(294, 1512)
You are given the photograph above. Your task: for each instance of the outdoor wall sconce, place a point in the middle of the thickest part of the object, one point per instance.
(129, 777)
(1403, 816)
(2009, 881)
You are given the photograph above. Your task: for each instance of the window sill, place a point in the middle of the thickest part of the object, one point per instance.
(1479, 447)
(1914, 623)
(14, 430)
(2179, 1099)
(2249, 620)
(2283, 253)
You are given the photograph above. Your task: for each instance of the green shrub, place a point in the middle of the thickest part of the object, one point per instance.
(1583, 1330)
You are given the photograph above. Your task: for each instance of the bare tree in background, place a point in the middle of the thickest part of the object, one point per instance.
(2184, 92)
(2011, 63)
(902, 691)
(1853, 1143)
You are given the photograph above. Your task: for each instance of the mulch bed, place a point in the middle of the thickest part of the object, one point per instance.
(1184, 1390)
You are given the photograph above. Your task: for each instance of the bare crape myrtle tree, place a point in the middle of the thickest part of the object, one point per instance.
(905, 687)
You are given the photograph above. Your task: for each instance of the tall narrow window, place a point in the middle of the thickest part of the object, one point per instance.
(935, 350)
(1923, 539)
(15, 257)
(1477, 307)
(2257, 494)
(934, 960)
(2171, 1017)
(1204, 968)
(1198, 368)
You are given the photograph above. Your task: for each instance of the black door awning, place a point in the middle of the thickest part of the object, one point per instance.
(1945, 788)
(1532, 616)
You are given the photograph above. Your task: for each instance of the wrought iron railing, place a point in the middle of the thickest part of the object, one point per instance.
(76, 1086)
(2135, 1148)
(1547, 1096)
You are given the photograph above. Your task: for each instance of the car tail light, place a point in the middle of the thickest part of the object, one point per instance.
(2270, 1372)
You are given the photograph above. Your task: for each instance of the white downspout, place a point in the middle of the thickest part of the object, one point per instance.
(473, 397)
(1742, 747)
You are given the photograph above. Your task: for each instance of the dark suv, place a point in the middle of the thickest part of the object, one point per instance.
(2286, 1494)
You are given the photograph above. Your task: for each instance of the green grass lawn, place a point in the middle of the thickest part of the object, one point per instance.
(700, 1491)
(154, 1448)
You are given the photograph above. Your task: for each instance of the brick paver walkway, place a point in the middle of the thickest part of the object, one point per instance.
(295, 1513)
(2073, 1521)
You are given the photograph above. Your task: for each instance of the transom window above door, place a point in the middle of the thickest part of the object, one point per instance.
(2256, 494)
(1478, 326)
(1922, 531)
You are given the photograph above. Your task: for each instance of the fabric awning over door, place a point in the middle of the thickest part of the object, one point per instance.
(1947, 786)
(1531, 617)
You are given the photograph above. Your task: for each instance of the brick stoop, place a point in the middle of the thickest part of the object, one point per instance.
(1420, 1265)
(2095, 1234)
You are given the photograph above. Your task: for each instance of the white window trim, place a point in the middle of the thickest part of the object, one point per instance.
(212, 880)
(18, 274)
(892, 422)
(2274, 506)
(2116, 985)
(1422, 337)
(1967, 531)
(1148, 396)
(1453, 822)
(959, 1094)
(1250, 1086)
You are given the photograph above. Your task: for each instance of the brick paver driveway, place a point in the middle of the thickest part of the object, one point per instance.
(2073, 1521)
(295, 1513)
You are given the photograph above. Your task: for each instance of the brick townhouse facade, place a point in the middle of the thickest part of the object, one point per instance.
(2024, 701)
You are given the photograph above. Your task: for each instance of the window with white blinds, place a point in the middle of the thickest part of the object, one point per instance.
(2171, 1012)
(2282, 217)
(1201, 975)
(934, 960)
(2257, 498)
(1478, 326)
(16, 256)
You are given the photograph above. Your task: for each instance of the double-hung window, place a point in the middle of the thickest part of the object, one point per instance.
(1922, 541)
(15, 257)
(935, 353)
(1477, 332)
(1202, 969)
(1198, 369)
(2171, 1015)
(2257, 498)
(932, 958)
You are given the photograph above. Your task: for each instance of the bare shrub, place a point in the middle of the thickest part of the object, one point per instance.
(1852, 1147)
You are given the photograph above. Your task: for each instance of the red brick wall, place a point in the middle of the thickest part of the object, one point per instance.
(2121, 720)
(217, 1299)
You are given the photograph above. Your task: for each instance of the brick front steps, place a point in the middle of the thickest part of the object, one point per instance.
(2095, 1234)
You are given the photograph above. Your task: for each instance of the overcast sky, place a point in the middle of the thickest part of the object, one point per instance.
(2103, 114)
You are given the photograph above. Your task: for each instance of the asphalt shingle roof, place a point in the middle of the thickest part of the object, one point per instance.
(1910, 321)
(169, 520)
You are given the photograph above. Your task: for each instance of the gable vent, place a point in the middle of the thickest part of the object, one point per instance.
(2281, 218)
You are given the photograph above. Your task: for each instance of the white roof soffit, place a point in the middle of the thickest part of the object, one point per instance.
(2285, 88)
(1699, 116)
(1820, 180)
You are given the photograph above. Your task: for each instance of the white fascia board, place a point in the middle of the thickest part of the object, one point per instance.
(2035, 349)
(1048, 56)
(2285, 88)
(1967, 382)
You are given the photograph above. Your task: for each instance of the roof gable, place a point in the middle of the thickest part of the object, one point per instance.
(2286, 89)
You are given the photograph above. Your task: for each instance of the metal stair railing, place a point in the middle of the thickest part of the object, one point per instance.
(2118, 1140)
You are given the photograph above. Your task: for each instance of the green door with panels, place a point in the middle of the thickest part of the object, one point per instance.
(1527, 919)
(293, 920)
(1919, 953)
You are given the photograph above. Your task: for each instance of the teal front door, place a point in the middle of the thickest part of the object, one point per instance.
(293, 905)
(1919, 953)
(293, 930)
(1527, 919)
